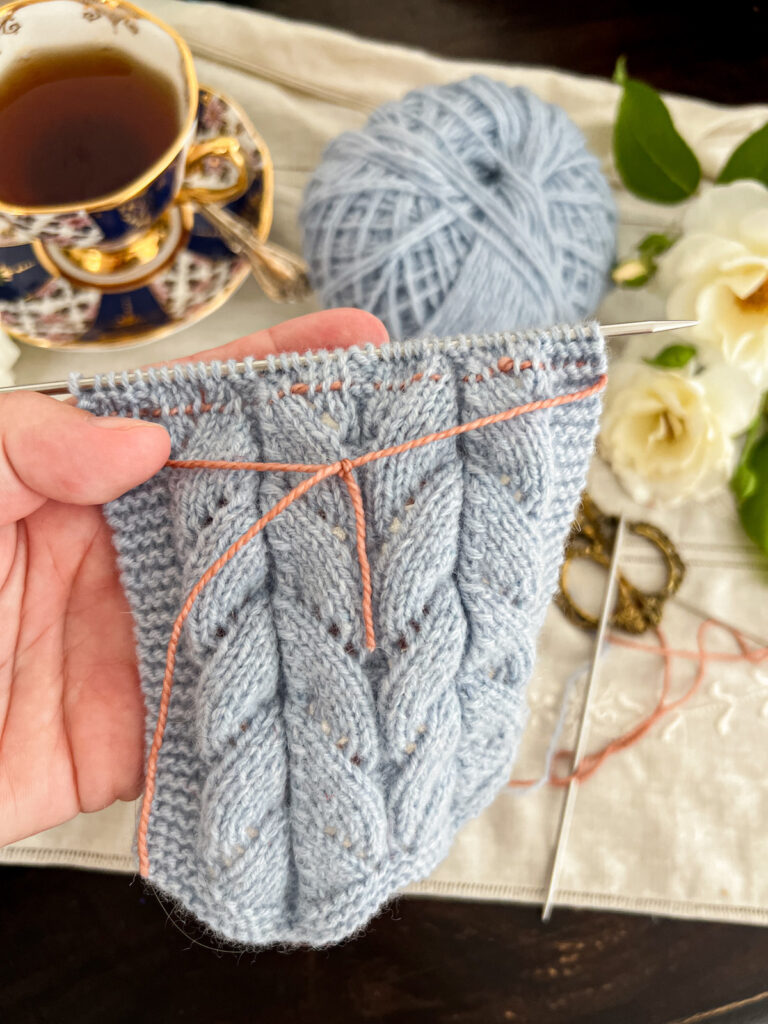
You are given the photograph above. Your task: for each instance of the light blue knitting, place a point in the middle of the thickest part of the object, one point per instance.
(303, 780)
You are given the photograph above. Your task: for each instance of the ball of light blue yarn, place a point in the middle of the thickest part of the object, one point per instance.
(464, 207)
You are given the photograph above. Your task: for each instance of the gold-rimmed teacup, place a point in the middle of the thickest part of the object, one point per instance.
(115, 221)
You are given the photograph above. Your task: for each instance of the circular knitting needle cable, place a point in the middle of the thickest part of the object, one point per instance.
(581, 742)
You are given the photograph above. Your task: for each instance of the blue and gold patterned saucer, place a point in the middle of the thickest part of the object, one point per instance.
(173, 275)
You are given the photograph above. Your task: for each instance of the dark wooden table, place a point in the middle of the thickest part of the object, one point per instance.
(98, 949)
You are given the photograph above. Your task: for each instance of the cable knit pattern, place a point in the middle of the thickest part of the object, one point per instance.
(304, 779)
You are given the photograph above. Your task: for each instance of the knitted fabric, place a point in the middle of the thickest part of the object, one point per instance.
(303, 779)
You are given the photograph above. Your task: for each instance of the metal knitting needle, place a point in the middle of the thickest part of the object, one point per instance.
(581, 741)
(61, 387)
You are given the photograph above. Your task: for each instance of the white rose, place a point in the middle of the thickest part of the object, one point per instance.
(717, 273)
(9, 353)
(668, 435)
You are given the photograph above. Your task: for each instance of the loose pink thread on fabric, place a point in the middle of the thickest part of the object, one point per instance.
(592, 762)
(343, 468)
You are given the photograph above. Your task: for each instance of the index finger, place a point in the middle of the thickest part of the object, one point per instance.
(329, 329)
(332, 328)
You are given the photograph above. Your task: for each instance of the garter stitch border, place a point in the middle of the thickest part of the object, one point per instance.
(303, 780)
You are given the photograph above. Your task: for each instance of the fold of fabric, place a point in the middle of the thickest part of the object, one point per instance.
(303, 779)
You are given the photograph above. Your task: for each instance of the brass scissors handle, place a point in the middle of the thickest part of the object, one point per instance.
(592, 537)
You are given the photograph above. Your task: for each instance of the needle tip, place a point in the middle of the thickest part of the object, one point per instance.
(645, 327)
(674, 325)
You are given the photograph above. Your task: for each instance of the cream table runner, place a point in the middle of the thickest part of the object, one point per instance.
(677, 825)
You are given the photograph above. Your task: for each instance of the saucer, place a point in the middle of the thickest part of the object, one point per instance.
(176, 274)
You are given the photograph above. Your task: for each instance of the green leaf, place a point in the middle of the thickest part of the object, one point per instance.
(638, 270)
(749, 160)
(744, 479)
(652, 158)
(753, 513)
(655, 244)
(673, 357)
(749, 482)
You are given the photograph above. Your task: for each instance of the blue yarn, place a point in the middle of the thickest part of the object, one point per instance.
(465, 207)
(302, 780)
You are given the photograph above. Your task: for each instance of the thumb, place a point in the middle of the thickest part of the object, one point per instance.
(50, 449)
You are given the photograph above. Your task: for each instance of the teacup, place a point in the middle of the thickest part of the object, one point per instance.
(110, 222)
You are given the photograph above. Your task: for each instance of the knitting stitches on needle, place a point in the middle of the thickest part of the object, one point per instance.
(303, 780)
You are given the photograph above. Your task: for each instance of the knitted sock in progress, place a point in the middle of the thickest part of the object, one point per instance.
(303, 779)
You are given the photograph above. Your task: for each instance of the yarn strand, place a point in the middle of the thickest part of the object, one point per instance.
(356, 498)
(343, 468)
(702, 656)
